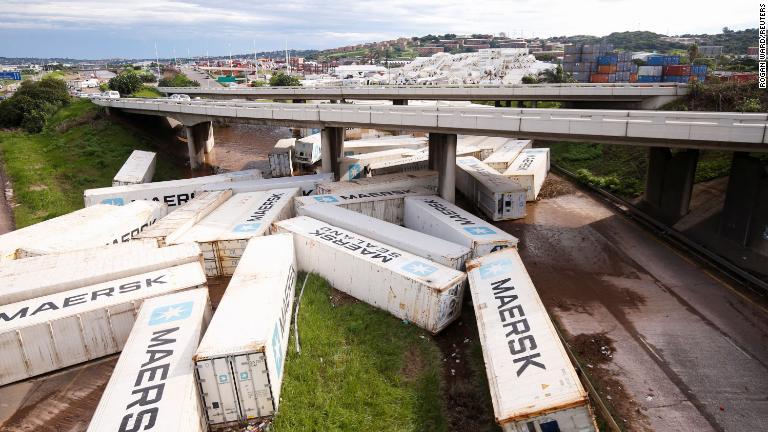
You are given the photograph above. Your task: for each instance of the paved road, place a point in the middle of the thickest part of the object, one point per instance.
(691, 353)
(202, 78)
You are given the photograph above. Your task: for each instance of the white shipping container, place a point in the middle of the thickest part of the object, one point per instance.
(502, 158)
(185, 217)
(417, 162)
(427, 179)
(407, 286)
(308, 149)
(281, 158)
(356, 166)
(82, 229)
(532, 381)
(418, 243)
(63, 329)
(307, 184)
(241, 360)
(386, 205)
(153, 386)
(495, 195)
(529, 170)
(487, 145)
(32, 277)
(370, 145)
(173, 193)
(138, 168)
(224, 233)
(650, 70)
(437, 217)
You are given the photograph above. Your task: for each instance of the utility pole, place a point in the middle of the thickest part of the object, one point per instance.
(287, 59)
(157, 59)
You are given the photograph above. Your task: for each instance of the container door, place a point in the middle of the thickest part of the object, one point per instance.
(253, 385)
(218, 390)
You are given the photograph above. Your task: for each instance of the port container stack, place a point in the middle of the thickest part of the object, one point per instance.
(138, 168)
(157, 361)
(667, 68)
(613, 67)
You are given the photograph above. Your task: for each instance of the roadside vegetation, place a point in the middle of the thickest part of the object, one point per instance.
(33, 104)
(77, 149)
(147, 92)
(281, 79)
(172, 78)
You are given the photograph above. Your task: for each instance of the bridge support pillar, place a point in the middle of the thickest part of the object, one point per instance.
(744, 219)
(669, 182)
(400, 102)
(332, 147)
(497, 104)
(200, 144)
(442, 157)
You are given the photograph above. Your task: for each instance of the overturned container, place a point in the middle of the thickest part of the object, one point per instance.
(495, 195)
(306, 183)
(281, 158)
(533, 384)
(407, 286)
(33, 277)
(240, 362)
(386, 205)
(359, 165)
(416, 162)
(503, 157)
(426, 246)
(173, 193)
(138, 168)
(52, 332)
(530, 170)
(427, 179)
(437, 217)
(224, 233)
(85, 228)
(153, 386)
(185, 217)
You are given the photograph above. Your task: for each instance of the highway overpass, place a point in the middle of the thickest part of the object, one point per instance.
(628, 95)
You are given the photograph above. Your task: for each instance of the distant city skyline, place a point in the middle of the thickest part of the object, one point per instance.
(89, 29)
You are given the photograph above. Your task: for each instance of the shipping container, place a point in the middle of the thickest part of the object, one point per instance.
(407, 286)
(533, 384)
(370, 145)
(138, 168)
(413, 241)
(418, 162)
(52, 332)
(439, 218)
(185, 216)
(386, 204)
(224, 233)
(571, 58)
(530, 170)
(173, 193)
(661, 60)
(606, 69)
(608, 59)
(487, 145)
(698, 69)
(677, 70)
(598, 78)
(28, 278)
(240, 362)
(308, 150)
(153, 386)
(503, 157)
(305, 183)
(650, 70)
(281, 158)
(357, 166)
(427, 179)
(498, 197)
(648, 79)
(82, 229)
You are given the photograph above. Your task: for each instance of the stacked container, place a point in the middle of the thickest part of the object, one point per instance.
(649, 74)
(306, 183)
(581, 61)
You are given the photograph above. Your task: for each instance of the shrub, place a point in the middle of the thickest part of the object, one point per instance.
(34, 121)
(126, 83)
(281, 79)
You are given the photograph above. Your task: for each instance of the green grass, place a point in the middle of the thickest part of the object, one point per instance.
(359, 369)
(148, 92)
(79, 149)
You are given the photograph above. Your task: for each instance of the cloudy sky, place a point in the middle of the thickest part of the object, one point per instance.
(114, 28)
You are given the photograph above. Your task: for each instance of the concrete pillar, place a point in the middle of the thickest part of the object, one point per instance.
(745, 212)
(200, 144)
(400, 102)
(497, 104)
(332, 147)
(669, 182)
(436, 141)
(447, 172)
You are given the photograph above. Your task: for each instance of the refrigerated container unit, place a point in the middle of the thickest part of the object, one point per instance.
(417, 162)
(386, 205)
(486, 145)
(281, 158)
(308, 150)
(82, 229)
(427, 179)
(498, 197)
(503, 157)
(357, 166)
(49, 274)
(240, 362)
(224, 233)
(172, 193)
(533, 384)
(306, 183)
(530, 171)
(409, 287)
(52, 332)
(413, 241)
(370, 145)
(437, 217)
(185, 216)
(153, 386)
(138, 168)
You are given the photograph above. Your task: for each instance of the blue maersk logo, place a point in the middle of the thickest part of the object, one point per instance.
(113, 201)
(478, 231)
(246, 227)
(495, 268)
(326, 199)
(277, 350)
(166, 314)
(419, 268)
(354, 171)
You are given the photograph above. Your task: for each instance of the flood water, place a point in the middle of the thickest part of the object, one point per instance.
(241, 146)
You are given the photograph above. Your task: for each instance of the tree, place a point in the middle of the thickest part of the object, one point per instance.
(693, 52)
(555, 76)
(530, 79)
(126, 83)
(281, 79)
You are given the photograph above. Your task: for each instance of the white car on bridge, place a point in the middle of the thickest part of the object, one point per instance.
(180, 97)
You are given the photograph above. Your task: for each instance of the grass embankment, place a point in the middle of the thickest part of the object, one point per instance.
(148, 92)
(78, 149)
(359, 369)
